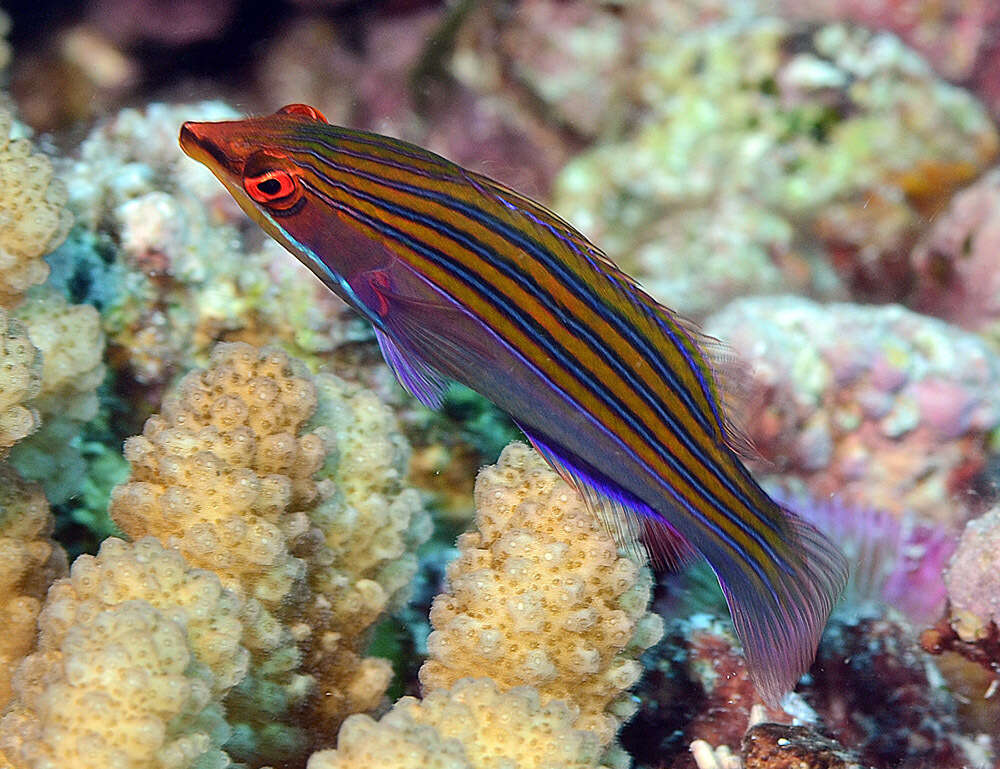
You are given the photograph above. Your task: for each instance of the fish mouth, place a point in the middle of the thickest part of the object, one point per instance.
(197, 141)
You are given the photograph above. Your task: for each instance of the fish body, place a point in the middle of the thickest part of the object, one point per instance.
(465, 279)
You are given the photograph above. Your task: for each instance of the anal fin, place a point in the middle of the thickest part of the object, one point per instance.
(637, 529)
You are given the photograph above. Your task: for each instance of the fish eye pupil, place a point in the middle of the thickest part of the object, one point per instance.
(269, 186)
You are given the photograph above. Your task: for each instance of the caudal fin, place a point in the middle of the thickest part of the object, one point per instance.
(780, 627)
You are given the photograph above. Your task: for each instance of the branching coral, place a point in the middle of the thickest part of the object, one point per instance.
(314, 529)
(34, 220)
(470, 726)
(72, 346)
(371, 524)
(214, 474)
(539, 596)
(29, 562)
(71, 343)
(33, 217)
(222, 476)
(135, 651)
(20, 381)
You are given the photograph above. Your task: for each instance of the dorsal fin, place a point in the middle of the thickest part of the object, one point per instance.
(720, 367)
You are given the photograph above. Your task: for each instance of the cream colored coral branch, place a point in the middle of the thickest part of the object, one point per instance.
(540, 596)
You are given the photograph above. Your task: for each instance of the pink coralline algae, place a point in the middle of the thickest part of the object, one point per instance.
(957, 264)
(878, 406)
(973, 578)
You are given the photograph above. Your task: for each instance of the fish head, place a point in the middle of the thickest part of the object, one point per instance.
(269, 165)
(255, 159)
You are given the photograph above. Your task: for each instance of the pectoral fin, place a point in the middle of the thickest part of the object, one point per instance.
(419, 379)
(425, 337)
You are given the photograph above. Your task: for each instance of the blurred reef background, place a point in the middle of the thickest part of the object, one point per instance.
(229, 538)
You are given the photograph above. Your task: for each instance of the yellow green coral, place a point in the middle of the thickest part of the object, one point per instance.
(472, 725)
(33, 217)
(135, 651)
(539, 596)
(72, 345)
(371, 522)
(311, 522)
(222, 477)
(215, 474)
(29, 562)
(20, 381)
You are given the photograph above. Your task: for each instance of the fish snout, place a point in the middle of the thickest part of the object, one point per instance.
(190, 136)
(209, 143)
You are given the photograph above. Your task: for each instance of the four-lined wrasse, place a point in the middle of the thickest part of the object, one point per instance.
(465, 279)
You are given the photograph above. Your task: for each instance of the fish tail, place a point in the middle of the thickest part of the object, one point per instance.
(781, 621)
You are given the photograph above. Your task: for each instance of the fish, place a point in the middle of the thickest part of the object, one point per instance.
(465, 280)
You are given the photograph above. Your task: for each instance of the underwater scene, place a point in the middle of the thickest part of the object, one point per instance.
(500, 384)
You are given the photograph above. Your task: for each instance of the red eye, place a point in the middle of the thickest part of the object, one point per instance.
(275, 188)
(303, 109)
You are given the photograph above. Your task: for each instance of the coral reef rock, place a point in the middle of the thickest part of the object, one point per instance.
(878, 694)
(777, 746)
(881, 407)
(762, 156)
(973, 578)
